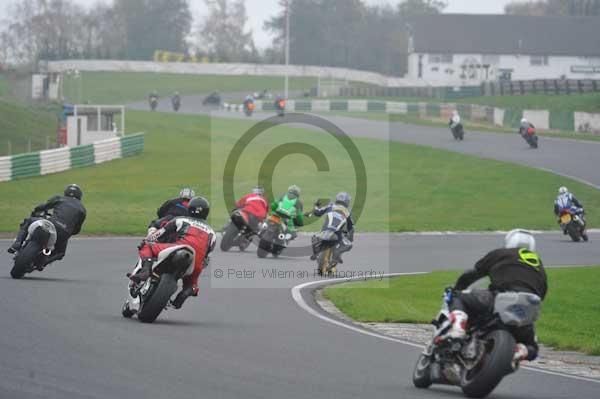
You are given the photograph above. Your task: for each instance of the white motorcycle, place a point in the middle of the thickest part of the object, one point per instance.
(149, 298)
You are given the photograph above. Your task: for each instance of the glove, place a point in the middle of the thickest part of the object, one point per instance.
(154, 236)
(520, 354)
(151, 231)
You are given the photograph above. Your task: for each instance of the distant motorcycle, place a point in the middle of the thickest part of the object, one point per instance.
(280, 107)
(148, 299)
(238, 232)
(478, 363)
(273, 237)
(176, 102)
(249, 107)
(212, 99)
(458, 131)
(530, 136)
(38, 245)
(153, 103)
(572, 224)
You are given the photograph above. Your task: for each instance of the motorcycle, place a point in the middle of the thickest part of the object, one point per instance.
(529, 136)
(38, 245)
(238, 232)
(149, 298)
(249, 107)
(273, 236)
(212, 99)
(153, 103)
(572, 224)
(176, 102)
(458, 131)
(327, 241)
(478, 363)
(280, 107)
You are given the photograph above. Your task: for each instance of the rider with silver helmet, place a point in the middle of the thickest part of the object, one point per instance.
(68, 215)
(515, 268)
(172, 208)
(339, 222)
(567, 201)
(290, 208)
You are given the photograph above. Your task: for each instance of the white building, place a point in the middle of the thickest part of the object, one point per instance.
(470, 49)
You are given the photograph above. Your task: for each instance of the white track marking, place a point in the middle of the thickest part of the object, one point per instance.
(297, 296)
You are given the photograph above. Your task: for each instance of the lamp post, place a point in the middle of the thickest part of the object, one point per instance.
(287, 48)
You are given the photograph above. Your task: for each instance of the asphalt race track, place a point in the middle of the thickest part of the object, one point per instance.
(62, 334)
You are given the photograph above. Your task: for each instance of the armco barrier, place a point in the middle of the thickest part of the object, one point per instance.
(61, 159)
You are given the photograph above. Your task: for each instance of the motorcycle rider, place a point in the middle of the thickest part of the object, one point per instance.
(566, 200)
(290, 208)
(525, 126)
(190, 230)
(255, 205)
(68, 216)
(454, 119)
(176, 100)
(171, 209)
(516, 268)
(340, 222)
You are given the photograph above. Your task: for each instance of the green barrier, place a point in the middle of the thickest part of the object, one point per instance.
(433, 110)
(268, 106)
(82, 156)
(512, 118)
(338, 106)
(376, 106)
(562, 120)
(303, 106)
(464, 110)
(26, 165)
(132, 145)
(412, 109)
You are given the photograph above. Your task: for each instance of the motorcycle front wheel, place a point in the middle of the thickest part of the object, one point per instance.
(25, 259)
(422, 372)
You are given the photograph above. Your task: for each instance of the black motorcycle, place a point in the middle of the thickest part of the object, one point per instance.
(479, 362)
(273, 237)
(38, 245)
(212, 99)
(458, 132)
(530, 136)
(153, 103)
(176, 102)
(238, 232)
(148, 299)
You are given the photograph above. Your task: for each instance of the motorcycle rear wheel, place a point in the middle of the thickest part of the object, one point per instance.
(25, 259)
(228, 237)
(494, 365)
(151, 308)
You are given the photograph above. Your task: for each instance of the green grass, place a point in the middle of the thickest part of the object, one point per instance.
(428, 189)
(587, 102)
(123, 87)
(19, 123)
(417, 299)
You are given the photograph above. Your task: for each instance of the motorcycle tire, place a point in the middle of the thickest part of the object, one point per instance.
(25, 259)
(325, 261)
(228, 237)
(573, 232)
(422, 372)
(151, 308)
(262, 250)
(494, 365)
(126, 311)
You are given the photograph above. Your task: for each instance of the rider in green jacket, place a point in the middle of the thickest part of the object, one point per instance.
(290, 208)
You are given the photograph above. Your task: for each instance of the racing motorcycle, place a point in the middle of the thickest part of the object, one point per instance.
(458, 131)
(572, 224)
(176, 102)
(212, 99)
(149, 298)
(153, 103)
(249, 107)
(529, 136)
(238, 232)
(327, 241)
(38, 245)
(273, 236)
(478, 363)
(280, 106)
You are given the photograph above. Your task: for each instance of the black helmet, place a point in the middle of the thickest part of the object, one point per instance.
(199, 208)
(73, 190)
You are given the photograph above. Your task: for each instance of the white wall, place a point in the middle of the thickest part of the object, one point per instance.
(521, 66)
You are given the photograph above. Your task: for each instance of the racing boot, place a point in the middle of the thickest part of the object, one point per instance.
(144, 273)
(16, 245)
(520, 354)
(184, 294)
(459, 320)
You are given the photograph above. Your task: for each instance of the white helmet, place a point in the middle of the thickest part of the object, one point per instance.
(563, 190)
(519, 238)
(187, 193)
(523, 120)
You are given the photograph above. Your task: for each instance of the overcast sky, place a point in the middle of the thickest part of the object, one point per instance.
(261, 10)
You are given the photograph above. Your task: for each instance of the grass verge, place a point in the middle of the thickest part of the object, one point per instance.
(417, 299)
(123, 87)
(409, 188)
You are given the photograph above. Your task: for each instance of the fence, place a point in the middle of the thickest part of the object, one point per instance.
(542, 86)
(61, 159)
(542, 119)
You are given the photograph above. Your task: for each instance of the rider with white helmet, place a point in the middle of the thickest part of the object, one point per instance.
(565, 201)
(514, 268)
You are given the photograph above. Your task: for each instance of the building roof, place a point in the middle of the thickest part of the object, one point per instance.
(506, 34)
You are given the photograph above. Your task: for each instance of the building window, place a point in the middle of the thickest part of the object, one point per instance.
(440, 58)
(489, 59)
(538, 60)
